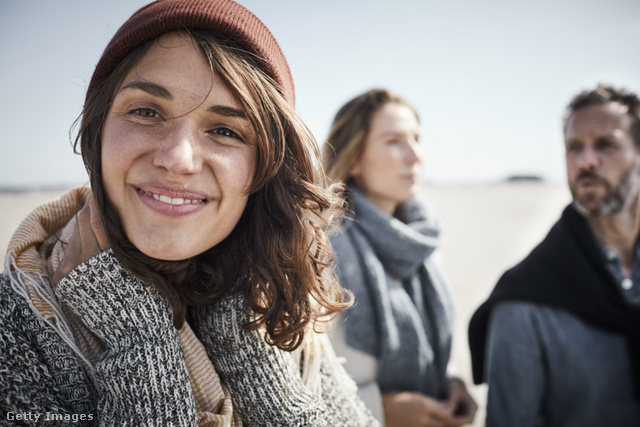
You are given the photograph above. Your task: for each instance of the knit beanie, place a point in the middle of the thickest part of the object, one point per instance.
(224, 17)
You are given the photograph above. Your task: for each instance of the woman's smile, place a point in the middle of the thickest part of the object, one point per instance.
(172, 202)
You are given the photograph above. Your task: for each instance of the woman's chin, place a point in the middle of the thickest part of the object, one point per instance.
(165, 253)
(408, 194)
(164, 256)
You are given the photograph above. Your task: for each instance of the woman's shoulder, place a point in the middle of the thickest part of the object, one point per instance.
(33, 357)
(21, 326)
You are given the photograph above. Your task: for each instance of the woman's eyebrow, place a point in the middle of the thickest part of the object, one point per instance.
(224, 110)
(393, 133)
(150, 88)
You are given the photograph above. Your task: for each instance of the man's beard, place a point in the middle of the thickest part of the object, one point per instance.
(614, 200)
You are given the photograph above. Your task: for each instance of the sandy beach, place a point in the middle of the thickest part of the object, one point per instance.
(488, 228)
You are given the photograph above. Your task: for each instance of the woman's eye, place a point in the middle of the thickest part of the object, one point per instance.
(146, 113)
(226, 132)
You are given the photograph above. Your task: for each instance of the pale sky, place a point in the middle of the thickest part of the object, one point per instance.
(489, 78)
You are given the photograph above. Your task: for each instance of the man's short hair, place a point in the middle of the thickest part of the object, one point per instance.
(602, 95)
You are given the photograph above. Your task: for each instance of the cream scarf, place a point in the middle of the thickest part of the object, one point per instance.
(33, 255)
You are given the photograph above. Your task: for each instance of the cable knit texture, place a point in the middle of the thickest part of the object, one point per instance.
(141, 376)
(136, 324)
(39, 373)
(265, 382)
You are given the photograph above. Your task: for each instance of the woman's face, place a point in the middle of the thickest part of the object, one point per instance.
(388, 171)
(178, 153)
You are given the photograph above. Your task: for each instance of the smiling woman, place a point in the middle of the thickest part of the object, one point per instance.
(187, 284)
(169, 138)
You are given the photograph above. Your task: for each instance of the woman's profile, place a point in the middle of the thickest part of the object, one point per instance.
(397, 336)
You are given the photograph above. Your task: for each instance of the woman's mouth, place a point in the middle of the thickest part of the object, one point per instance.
(174, 201)
(411, 178)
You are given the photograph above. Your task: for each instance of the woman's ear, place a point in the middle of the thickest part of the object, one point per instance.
(356, 169)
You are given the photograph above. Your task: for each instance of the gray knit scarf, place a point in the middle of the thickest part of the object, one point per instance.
(402, 313)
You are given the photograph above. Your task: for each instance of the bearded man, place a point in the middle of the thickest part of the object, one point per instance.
(558, 340)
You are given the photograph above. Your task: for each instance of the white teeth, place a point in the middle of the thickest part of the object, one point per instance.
(176, 201)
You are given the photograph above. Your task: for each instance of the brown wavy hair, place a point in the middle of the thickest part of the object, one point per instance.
(350, 129)
(278, 253)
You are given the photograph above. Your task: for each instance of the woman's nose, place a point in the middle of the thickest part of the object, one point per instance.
(412, 153)
(178, 152)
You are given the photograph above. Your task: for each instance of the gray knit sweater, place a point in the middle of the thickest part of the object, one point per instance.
(265, 383)
(141, 377)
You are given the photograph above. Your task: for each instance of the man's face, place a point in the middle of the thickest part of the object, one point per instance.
(602, 162)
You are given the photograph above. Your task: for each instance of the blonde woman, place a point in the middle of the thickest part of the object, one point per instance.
(397, 336)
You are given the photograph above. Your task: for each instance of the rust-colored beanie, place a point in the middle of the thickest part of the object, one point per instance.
(225, 17)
